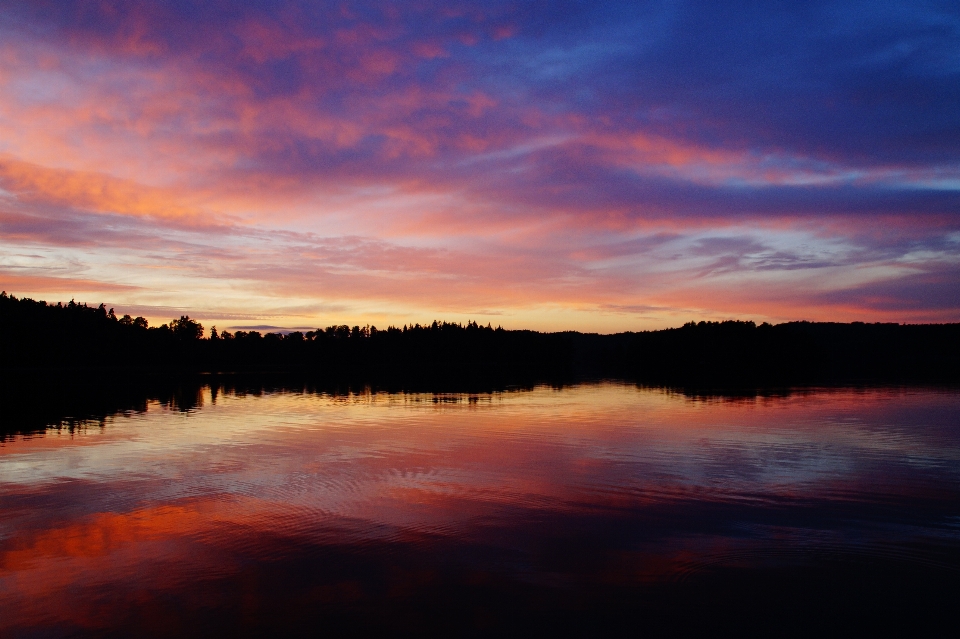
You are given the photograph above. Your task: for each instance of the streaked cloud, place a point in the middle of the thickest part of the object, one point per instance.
(566, 166)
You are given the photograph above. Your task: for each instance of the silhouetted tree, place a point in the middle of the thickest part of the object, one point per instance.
(71, 336)
(186, 328)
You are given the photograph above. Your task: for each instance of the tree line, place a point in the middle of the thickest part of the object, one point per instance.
(35, 335)
(41, 337)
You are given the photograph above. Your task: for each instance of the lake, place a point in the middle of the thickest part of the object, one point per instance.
(595, 509)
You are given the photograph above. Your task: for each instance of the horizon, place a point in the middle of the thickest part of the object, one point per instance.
(600, 169)
(265, 328)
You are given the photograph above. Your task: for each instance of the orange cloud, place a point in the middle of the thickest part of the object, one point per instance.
(95, 192)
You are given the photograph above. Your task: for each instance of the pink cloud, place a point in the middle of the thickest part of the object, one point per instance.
(375, 162)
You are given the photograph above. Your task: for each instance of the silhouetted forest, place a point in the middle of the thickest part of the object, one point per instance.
(67, 339)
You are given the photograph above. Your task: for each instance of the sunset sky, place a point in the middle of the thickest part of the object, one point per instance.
(545, 165)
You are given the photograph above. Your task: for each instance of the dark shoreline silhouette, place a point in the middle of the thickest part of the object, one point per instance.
(70, 364)
(68, 339)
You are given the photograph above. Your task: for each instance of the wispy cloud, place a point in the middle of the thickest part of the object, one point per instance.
(563, 166)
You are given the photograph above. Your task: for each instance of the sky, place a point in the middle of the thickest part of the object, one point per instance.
(544, 165)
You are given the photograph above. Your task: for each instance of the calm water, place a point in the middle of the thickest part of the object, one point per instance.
(598, 509)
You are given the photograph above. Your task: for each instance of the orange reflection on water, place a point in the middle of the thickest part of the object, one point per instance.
(603, 484)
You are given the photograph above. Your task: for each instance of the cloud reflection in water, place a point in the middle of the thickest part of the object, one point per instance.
(413, 511)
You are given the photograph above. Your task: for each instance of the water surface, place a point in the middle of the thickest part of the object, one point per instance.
(595, 508)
